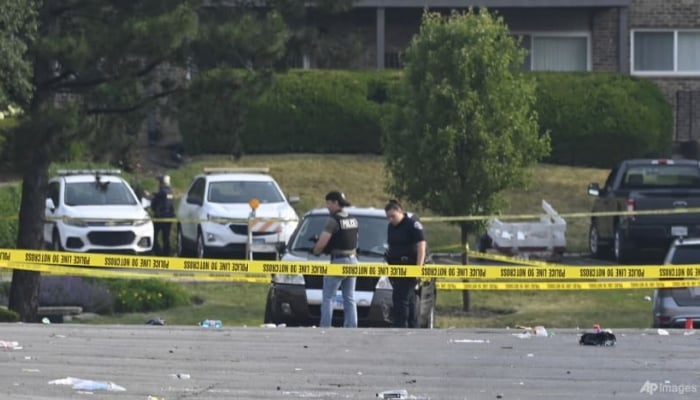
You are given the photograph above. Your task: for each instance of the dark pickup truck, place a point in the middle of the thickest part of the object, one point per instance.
(644, 185)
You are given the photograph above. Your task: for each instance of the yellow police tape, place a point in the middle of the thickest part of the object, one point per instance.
(537, 271)
(565, 285)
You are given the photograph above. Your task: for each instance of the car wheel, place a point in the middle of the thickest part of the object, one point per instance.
(596, 249)
(201, 247)
(56, 241)
(269, 311)
(425, 305)
(181, 247)
(622, 251)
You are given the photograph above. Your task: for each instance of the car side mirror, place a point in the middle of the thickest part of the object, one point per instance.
(594, 189)
(145, 203)
(293, 199)
(50, 205)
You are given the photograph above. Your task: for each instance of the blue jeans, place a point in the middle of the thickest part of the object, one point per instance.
(331, 284)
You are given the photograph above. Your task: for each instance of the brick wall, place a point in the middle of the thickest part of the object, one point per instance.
(665, 13)
(604, 37)
(683, 93)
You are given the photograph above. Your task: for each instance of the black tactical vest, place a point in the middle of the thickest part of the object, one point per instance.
(344, 241)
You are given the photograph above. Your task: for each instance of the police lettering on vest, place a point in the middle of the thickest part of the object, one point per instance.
(344, 238)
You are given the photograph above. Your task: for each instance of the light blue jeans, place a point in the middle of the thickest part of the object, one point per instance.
(331, 284)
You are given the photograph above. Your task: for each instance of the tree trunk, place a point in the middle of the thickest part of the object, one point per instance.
(24, 292)
(465, 260)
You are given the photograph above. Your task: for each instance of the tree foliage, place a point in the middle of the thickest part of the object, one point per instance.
(90, 70)
(18, 26)
(464, 128)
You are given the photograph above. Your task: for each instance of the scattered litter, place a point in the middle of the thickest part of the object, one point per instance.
(298, 369)
(282, 325)
(530, 355)
(180, 376)
(647, 298)
(359, 372)
(158, 321)
(688, 333)
(599, 337)
(154, 398)
(469, 341)
(10, 345)
(268, 326)
(88, 385)
(539, 331)
(46, 321)
(662, 332)
(30, 370)
(393, 394)
(211, 323)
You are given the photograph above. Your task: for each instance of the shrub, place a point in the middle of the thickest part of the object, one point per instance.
(89, 293)
(597, 119)
(146, 295)
(10, 198)
(318, 112)
(8, 315)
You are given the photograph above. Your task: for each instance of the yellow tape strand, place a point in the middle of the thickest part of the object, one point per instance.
(537, 272)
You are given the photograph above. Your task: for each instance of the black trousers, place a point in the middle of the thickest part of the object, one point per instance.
(161, 230)
(404, 299)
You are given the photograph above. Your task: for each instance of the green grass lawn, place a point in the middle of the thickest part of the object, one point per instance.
(363, 179)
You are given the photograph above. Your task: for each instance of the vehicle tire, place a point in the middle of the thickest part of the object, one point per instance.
(596, 249)
(269, 311)
(180, 246)
(56, 241)
(201, 247)
(425, 305)
(622, 251)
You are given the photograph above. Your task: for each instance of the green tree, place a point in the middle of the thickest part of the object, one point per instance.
(18, 26)
(464, 128)
(97, 67)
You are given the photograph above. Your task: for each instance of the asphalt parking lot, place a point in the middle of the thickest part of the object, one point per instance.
(291, 363)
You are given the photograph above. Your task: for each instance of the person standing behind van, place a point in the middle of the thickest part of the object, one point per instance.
(407, 246)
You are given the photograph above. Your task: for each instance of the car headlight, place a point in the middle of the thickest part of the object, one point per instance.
(141, 222)
(383, 283)
(289, 279)
(75, 222)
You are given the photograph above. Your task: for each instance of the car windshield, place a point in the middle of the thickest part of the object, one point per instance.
(666, 176)
(243, 191)
(371, 236)
(98, 194)
(686, 254)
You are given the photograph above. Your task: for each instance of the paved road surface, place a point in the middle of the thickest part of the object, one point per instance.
(293, 363)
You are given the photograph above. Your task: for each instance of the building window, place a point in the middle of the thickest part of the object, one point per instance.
(666, 52)
(556, 51)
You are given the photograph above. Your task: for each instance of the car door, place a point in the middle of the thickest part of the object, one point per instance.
(189, 210)
(53, 193)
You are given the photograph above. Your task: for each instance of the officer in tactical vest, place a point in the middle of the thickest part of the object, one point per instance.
(339, 240)
(162, 206)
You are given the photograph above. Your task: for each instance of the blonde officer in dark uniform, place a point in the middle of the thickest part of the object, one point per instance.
(407, 246)
(339, 239)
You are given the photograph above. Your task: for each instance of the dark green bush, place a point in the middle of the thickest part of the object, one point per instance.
(318, 112)
(597, 119)
(8, 315)
(146, 295)
(10, 198)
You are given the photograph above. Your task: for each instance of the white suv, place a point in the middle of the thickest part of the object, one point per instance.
(213, 214)
(95, 211)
